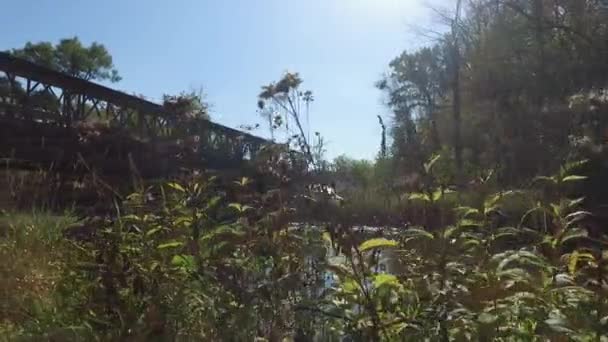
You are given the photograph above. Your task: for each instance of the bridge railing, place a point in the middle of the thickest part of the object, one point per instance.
(35, 93)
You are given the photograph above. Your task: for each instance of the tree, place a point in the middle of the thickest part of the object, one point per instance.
(383, 150)
(92, 63)
(188, 105)
(456, 95)
(415, 86)
(506, 69)
(357, 172)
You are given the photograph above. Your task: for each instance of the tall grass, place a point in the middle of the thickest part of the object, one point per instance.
(29, 249)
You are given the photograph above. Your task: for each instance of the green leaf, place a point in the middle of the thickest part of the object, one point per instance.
(415, 233)
(176, 186)
(572, 262)
(573, 178)
(385, 280)
(153, 231)
(437, 195)
(350, 286)
(469, 243)
(326, 237)
(450, 231)
(213, 202)
(522, 257)
(562, 279)
(577, 216)
(243, 181)
(466, 212)
(183, 261)
(131, 217)
(544, 179)
(441, 194)
(429, 165)
(456, 267)
(569, 167)
(509, 232)
(577, 256)
(153, 266)
(469, 223)
(557, 209)
(377, 243)
(172, 244)
(515, 275)
(418, 196)
(239, 207)
(183, 220)
(224, 232)
(531, 211)
(558, 324)
(575, 202)
(573, 234)
(492, 201)
(486, 318)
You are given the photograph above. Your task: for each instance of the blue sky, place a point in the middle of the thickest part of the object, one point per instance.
(232, 47)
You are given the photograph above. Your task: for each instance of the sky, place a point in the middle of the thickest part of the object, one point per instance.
(231, 48)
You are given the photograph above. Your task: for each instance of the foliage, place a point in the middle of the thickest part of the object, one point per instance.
(283, 102)
(479, 278)
(186, 106)
(528, 81)
(202, 259)
(71, 57)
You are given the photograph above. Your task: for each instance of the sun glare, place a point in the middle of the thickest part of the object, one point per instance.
(384, 8)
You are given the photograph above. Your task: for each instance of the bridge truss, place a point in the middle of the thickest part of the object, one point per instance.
(34, 95)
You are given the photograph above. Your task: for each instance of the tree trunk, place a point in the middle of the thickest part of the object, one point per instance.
(540, 41)
(456, 101)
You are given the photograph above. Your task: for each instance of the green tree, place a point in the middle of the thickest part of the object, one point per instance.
(70, 56)
(507, 70)
(415, 86)
(358, 172)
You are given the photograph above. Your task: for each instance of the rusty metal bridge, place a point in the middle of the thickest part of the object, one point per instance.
(42, 113)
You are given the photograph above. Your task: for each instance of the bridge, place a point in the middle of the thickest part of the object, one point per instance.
(51, 119)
